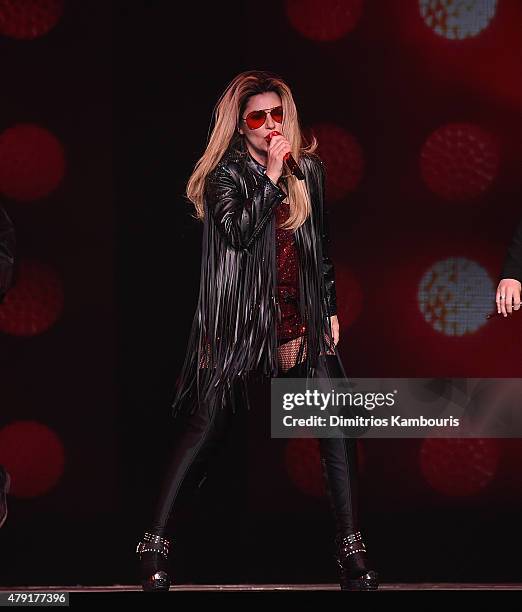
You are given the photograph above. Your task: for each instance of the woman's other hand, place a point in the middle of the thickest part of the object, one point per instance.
(508, 296)
(334, 322)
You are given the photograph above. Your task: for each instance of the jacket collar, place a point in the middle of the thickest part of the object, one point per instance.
(254, 164)
(241, 152)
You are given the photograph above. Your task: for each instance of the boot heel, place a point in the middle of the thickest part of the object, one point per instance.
(153, 552)
(351, 565)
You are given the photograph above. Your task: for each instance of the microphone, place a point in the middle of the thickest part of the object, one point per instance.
(288, 159)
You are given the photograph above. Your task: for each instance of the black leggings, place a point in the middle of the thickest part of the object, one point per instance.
(201, 433)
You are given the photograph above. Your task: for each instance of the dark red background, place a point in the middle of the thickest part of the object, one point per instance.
(128, 89)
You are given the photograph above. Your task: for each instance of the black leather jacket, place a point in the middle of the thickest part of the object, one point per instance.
(234, 330)
(7, 247)
(244, 199)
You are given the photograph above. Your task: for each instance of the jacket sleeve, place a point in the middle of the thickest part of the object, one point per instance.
(7, 248)
(513, 264)
(240, 219)
(328, 266)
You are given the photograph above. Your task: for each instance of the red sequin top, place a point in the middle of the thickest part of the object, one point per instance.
(291, 325)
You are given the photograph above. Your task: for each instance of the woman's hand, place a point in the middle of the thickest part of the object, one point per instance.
(278, 147)
(334, 322)
(508, 296)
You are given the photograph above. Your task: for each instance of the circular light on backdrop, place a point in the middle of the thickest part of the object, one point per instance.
(455, 296)
(32, 162)
(324, 20)
(457, 19)
(459, 467)
(343, 159)
(459, 161)
(34, 457)
(26, 19)
(35, 302)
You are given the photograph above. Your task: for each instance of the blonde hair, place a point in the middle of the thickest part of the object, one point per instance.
(229, 109)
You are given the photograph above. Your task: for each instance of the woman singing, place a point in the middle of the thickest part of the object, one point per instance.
(267, 303)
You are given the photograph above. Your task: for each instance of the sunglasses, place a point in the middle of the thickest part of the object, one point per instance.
(256, 119)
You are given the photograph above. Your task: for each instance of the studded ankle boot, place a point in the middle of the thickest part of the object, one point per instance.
(352, 565)
(153, 552)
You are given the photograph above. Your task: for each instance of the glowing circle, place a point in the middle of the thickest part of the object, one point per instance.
(457, 19)
(32, 162)
(25, 19)
(35, 302)
(459, 161)
(33, 455)
(343, 159)
(459, 467)
(324, 20)
(455, 296)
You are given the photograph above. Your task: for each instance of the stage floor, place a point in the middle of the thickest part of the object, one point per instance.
(123, 588)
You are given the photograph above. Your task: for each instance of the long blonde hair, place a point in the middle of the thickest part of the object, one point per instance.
(229, 109)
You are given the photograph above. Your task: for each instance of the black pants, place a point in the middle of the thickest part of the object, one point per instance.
(202, 432)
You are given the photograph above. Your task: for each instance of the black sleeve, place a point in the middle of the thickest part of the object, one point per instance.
(328, 266)
(513, 263)
(240, 219)
(7, 250)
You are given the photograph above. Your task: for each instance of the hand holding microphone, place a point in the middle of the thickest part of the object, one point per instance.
(279, 152)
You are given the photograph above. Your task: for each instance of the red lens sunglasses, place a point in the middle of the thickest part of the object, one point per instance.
(256, 119)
